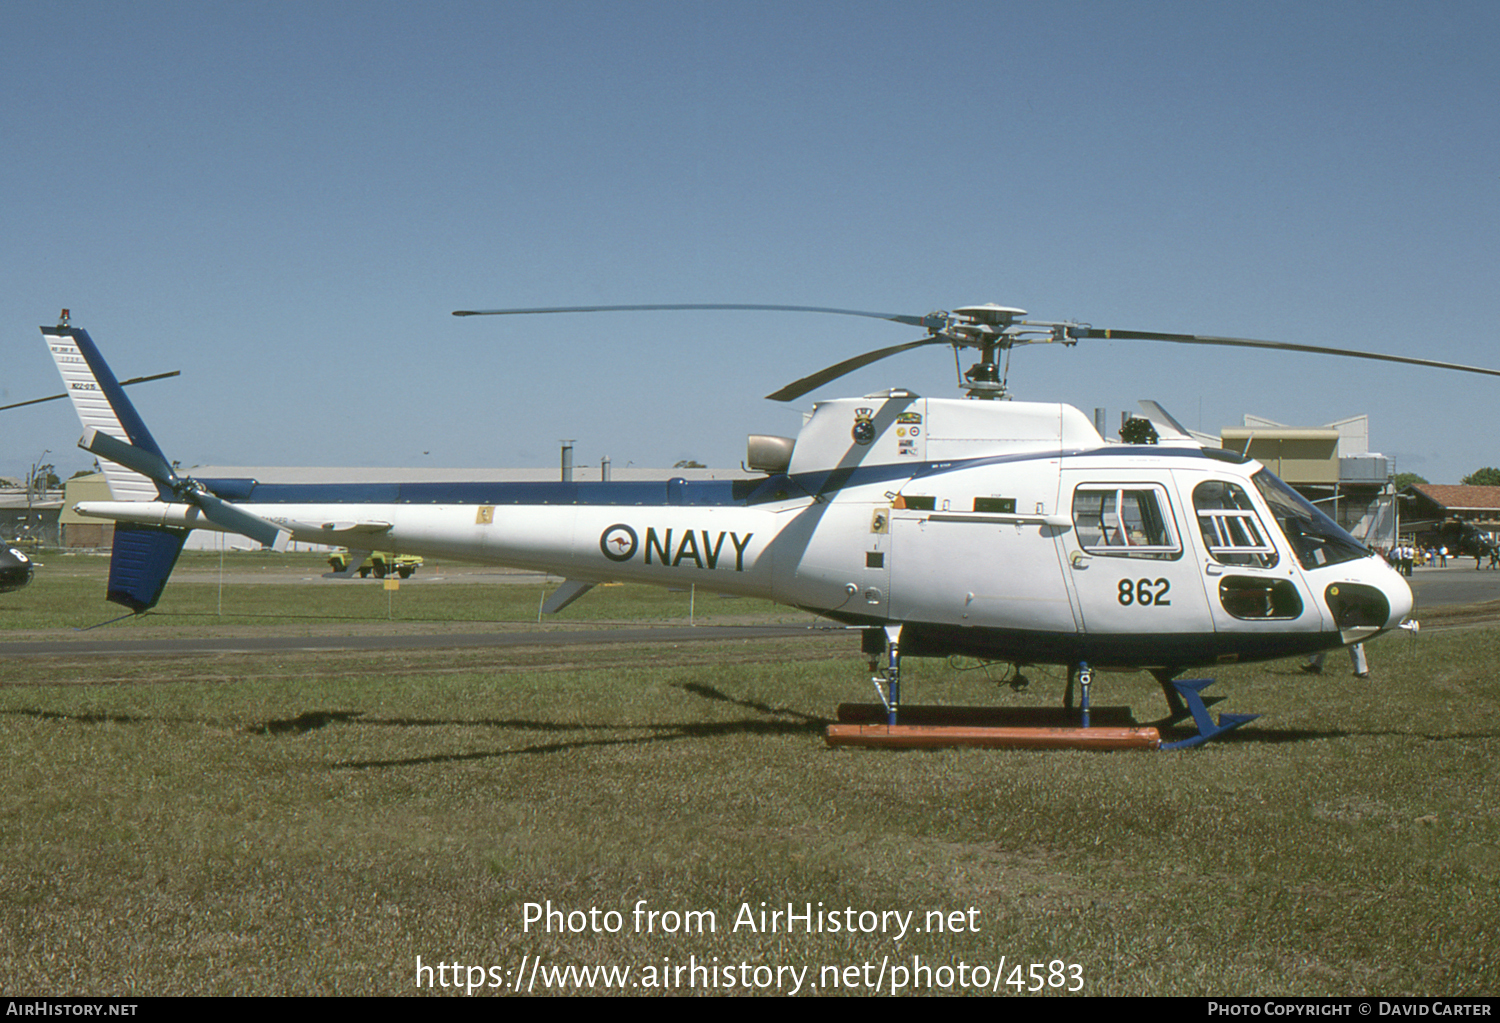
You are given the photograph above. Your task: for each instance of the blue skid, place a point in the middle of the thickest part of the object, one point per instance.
(1190, 688)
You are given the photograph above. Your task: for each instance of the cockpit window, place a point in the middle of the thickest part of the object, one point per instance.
(1231, 530)
(1132, 520)
(1315, 538)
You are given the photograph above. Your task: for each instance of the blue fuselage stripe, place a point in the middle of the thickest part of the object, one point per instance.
(675, 492)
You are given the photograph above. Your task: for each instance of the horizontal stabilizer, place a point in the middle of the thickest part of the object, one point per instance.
(142, 560)
(352, 526)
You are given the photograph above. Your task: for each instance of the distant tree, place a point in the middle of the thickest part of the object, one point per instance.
(1486, 477)
(1406, 479)
(688, 463)
(1138, 431)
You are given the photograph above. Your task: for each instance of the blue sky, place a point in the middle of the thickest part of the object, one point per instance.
(286, 201)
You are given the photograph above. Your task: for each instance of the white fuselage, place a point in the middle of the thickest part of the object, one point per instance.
(999, 529)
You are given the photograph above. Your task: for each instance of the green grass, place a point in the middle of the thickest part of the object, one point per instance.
(314, 823)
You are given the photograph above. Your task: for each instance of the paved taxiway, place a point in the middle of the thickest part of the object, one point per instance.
(1458, 584)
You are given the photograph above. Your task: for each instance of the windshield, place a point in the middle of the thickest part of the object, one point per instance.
(1317, 540)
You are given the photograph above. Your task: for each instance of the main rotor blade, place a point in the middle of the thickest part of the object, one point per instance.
(1285, 346)
(147, 463)
(795, 390)
(914, 321)
(123, 383)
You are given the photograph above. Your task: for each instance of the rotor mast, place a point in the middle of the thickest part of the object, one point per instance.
(994, 330)
(984, 327)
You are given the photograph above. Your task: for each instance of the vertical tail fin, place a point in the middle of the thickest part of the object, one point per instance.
(143, 557)
(138, 471)
(100, 401)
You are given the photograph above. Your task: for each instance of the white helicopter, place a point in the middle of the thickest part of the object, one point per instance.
(1002, 530)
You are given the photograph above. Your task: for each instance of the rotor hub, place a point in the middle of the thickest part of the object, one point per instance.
(990, 313)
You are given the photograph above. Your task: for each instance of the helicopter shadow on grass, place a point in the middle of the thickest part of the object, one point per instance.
(1281, 736)
(80, 719)
(792, 723)
(312, 721)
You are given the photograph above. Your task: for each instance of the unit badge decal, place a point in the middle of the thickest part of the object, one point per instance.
(864, 425)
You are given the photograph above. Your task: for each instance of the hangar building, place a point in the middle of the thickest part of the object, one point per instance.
(1330, 465)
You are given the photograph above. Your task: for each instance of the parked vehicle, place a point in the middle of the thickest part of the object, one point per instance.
(379, 563)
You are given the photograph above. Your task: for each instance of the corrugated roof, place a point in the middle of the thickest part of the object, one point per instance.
(1279, 433)
(16, 497)
(1457, 497)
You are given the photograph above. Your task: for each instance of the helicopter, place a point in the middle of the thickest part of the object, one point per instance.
(1002, 530)
(16, 569)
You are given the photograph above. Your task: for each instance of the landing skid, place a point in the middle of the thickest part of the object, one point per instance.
(987, 737)
(1037, 728)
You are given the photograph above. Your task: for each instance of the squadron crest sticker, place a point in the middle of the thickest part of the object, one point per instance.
(864, 425)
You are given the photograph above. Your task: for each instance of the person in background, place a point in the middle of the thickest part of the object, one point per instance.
(1314, 665)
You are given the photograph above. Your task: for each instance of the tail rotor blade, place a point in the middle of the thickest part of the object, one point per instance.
(155, 468)
(147, 463)
(222, 513)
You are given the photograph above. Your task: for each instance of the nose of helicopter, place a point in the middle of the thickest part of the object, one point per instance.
(1370, 598)
(1398, 593)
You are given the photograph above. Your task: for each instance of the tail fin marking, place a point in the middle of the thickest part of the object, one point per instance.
(101, 405)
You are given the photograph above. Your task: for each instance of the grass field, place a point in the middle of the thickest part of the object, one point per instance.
(307, 823)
